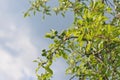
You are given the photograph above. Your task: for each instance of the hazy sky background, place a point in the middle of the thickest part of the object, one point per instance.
(22, 39)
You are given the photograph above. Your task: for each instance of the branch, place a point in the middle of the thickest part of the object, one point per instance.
(72, 77)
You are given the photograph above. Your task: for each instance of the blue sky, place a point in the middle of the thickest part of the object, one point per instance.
(22, 39)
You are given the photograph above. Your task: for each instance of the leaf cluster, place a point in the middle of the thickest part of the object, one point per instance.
(91, 47)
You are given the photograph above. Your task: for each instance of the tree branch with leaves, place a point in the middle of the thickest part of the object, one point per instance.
(91, 47)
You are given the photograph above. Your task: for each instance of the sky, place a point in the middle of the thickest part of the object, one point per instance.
(22, 39)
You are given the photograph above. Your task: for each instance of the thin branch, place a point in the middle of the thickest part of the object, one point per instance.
(72, 77)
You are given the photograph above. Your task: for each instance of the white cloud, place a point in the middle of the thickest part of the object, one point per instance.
(16, 61)
(11, 67)
(17, 51)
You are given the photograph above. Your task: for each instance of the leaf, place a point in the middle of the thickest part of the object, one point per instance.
(64, 55)
(88, 46)
(100, 45)
(63, 14)
(39, 66)
(35, 61)
(49, 35)
(109, 29)
(48, 70)
(44, 52)
(26, 14)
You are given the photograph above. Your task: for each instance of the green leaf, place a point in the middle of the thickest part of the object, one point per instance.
(48, 70)
(100, 45)
(26, 14)
(35, 61)
(88, 46)
(64, 55)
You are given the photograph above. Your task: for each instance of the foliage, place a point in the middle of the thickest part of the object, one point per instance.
(91, 47)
